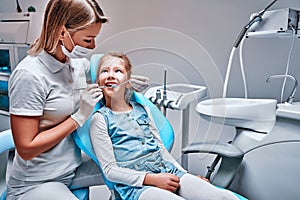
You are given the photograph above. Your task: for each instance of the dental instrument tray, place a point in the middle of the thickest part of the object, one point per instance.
(176, 96)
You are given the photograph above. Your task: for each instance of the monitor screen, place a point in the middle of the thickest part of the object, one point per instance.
(5, 65)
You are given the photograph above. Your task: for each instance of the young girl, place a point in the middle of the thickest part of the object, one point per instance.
(128, 146)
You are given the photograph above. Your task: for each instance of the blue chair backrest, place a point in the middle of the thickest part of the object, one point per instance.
(82, 136)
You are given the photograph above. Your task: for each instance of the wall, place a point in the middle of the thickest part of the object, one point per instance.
(193, 40)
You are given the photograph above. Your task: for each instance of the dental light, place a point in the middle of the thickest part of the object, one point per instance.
(254, 18)
(282, 23)
(276, 23)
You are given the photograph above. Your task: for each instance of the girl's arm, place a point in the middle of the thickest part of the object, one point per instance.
(166, 154)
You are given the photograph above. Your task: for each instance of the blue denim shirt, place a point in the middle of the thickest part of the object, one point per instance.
(135, 147)
(129, 133)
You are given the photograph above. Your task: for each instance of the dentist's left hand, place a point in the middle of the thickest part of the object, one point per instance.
(139, 83)
(88, 99)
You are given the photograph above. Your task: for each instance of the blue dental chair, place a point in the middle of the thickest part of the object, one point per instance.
(81, 135)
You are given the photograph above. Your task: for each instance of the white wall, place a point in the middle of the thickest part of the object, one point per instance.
(193, 40)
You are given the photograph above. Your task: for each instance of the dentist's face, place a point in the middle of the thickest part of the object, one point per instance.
(84, 38)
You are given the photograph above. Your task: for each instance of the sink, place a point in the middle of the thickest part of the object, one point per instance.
(289, 110)
(255, 114)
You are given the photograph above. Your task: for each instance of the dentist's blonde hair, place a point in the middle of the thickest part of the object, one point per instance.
(74, 15)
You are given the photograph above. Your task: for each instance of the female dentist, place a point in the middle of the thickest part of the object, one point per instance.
(47, 104)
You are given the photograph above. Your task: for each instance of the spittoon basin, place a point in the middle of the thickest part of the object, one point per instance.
(255, 114)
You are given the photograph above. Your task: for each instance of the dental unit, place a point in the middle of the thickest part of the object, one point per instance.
(177, 97)
(267, 133)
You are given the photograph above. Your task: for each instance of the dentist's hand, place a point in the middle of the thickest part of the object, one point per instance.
(88, 99)
(139, 83)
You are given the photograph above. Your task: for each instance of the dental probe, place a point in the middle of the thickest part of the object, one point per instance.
(116, 85)
(100, 87)
(107, 86)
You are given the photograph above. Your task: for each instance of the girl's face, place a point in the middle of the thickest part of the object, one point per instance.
(113, 72)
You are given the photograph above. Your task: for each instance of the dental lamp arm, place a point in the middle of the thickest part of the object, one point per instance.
(245, 29)
(256, 18)
(291, 97)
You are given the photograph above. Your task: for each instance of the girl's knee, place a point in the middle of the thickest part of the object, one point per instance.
(154, 193)
(192, 187)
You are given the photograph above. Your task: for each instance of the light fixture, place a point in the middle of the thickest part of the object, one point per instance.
(276, 23)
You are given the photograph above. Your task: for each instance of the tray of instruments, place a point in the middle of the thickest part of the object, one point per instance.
(176, 96)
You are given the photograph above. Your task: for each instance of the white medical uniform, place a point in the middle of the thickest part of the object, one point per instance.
(42, 86)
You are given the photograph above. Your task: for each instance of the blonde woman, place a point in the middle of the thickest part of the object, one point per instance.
(47, 104)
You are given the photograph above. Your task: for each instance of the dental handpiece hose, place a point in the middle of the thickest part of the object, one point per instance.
(256, 18)
(157, 99)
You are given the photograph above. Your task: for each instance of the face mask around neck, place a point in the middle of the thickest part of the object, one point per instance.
(77, 52)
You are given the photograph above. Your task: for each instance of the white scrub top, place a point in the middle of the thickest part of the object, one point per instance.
(43, 86)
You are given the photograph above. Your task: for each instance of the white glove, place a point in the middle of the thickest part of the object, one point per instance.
(88, 99)
(139, 83)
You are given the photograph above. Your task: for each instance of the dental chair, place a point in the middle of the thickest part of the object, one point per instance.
(6, 144)
(82, 139)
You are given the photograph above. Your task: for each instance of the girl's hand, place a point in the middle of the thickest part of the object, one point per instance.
(165, 181)
(203, 178)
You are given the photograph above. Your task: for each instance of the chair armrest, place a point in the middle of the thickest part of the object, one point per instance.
(6, 144)
(222, 149)
(231, 159)
(6, 141)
